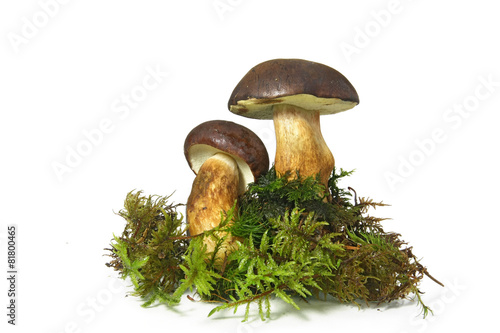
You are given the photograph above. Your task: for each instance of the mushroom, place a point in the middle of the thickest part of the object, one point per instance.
(225, 157)
(294, 93)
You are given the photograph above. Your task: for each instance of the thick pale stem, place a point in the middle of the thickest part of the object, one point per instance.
(214, 191)
(300, 144)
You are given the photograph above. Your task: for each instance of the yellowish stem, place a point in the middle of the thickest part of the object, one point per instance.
(300, 144)
(214, 191)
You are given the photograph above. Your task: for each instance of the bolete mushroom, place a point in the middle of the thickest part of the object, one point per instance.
(225, 157)
(294, 93)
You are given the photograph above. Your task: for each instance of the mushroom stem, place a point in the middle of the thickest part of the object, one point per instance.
(214, 191)
(299, 143)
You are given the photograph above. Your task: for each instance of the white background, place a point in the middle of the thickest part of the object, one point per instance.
(424, 139)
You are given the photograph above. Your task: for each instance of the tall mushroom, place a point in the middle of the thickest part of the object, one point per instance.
(225, 157)
(294, 93)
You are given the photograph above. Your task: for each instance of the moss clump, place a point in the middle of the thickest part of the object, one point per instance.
(151, 247)
(296, 238)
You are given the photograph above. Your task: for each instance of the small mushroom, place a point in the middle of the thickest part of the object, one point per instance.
(225, 157)
(294, 93)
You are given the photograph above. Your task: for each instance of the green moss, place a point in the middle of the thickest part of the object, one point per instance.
(296, 239)
(151, 248)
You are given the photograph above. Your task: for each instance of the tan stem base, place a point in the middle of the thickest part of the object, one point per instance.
(300, 144)
(214, 191)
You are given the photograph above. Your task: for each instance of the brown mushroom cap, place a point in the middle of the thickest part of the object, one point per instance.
(306, 84)
(220, 136)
